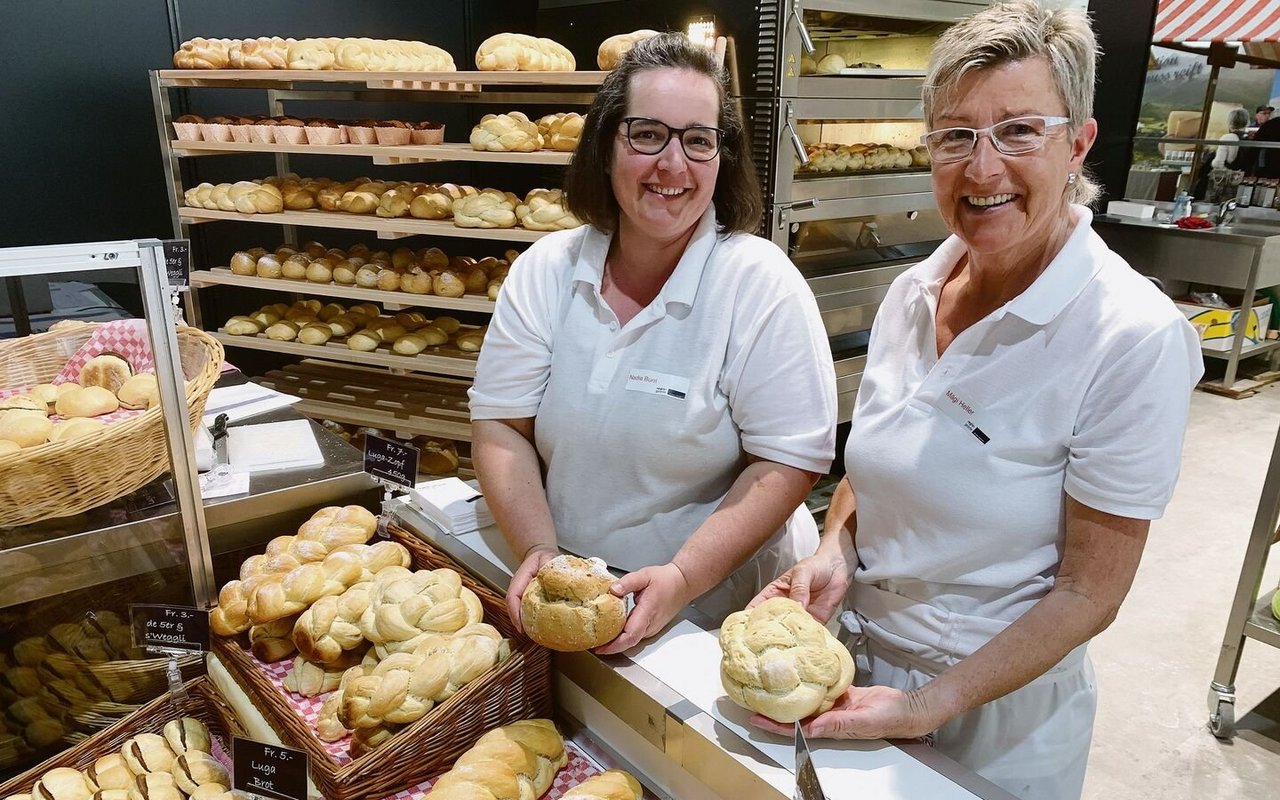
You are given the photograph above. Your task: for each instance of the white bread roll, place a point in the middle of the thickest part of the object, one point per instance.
(140, 391)
(781, 662)
(88, 401)
(75, 429)
(108, 371)
(568, 607)
(8, 446)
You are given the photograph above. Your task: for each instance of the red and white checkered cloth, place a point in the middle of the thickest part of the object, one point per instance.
(127, 338)
(579, 768)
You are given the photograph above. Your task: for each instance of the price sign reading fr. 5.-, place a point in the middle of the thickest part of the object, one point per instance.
(170, 627)
(269, 770)
(391, 461)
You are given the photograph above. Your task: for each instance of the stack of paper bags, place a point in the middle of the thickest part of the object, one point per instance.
(454, 505)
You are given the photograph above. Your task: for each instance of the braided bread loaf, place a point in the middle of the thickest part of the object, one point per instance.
(544, 210)
(511, 132)
(329, 629)
(615, 47)
(519, 760)
(404, 606)
(309, 678)
(200, 53)
(436, 202)
(517, 51)
(403, 687)
(780, 662)
(265, 52)
(488, 209)
(561, 131)
(273, 641)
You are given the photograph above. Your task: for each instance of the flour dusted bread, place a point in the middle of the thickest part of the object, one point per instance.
(781, 662)
(568, 607)
(107, 371)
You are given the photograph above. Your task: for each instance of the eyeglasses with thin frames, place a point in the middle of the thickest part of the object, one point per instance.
(1013, 137)
(651, 136)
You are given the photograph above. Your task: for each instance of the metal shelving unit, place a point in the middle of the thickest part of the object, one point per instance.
(377, 371)
(1250, 616)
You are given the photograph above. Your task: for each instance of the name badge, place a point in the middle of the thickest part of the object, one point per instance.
(959, 408)
(650, 382)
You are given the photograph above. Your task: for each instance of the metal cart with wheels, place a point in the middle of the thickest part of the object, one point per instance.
(1251, 616)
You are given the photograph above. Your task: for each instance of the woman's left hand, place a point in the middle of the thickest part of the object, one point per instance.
(660, 593)
(872, 712)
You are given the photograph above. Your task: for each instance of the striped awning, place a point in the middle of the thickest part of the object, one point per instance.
(1217, 21)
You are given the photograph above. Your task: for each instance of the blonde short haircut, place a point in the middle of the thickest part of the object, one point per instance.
(1017, 30)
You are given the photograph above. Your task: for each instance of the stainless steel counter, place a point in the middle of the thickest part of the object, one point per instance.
(644, 725)
(141, 532)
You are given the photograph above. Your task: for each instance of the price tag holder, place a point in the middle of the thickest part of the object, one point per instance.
(391, 461)
(169, 628)
(269, 770)
(177, 262)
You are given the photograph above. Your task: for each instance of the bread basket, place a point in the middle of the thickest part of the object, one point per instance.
(63, 478)
(201, 702)
(518, 688)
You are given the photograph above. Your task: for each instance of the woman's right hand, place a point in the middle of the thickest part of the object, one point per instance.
(818, 583)
(534, 558)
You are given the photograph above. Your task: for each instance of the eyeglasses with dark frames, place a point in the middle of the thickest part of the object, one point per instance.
(651, 136)
(1013, 137)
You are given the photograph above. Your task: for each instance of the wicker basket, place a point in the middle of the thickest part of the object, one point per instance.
(518, 688)
(202, 702)
(63, 478)
(122, 681)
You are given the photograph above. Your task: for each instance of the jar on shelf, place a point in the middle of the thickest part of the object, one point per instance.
(1244, 193)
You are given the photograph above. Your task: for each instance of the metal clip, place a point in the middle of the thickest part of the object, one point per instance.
(384, 519)
(173, 673)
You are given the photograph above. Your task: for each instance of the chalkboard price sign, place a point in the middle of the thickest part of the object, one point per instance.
(269, 770)
(170, 627)
(177, 261)
(391, 461)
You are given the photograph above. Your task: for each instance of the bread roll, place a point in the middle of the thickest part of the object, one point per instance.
(831, 64)
(448, 284)
(61, 783)
(436, 456)
(344, 325)
(283, 331)
(108, 371)
(781, 662)
(23, 402)
(243, 326)
(411, 320)
(153, 782)
(140, 391)
(416, 281)
(243, 264)
(320, 271)
(185, 734)
(470, 342)
(147, 752)
(294, 268)
(8, 446)
(208, 791)
(388, 280)
(410, 344)
(315, 333)
(365, 340)
(89, 401)
(331, 310)
(344, 272)
(268, 266)
(568, 607)
(266, 317)
(75, 429)
(614, 784)
(614, 48)
(109, 772)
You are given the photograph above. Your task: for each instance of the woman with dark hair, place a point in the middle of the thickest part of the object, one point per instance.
(656, 388)
(1257, 162)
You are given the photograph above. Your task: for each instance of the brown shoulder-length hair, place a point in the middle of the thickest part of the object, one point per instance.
(737, 198)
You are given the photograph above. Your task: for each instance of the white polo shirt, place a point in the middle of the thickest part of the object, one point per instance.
(1080, 384)
(643, 428)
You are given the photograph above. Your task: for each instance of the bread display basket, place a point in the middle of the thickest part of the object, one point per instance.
(518, 688)
(64, 478)
(199, 700)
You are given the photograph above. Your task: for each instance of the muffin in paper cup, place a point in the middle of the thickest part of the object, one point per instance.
(361, 134)
(428, 135)
(390, 135)
(290, 134)
(317, 134)
(187, 131)
(241, 133)
(215, 132)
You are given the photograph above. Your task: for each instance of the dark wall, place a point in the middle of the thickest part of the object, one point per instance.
(1124, 32)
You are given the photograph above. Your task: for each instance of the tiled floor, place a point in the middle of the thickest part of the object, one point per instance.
(1154, 664)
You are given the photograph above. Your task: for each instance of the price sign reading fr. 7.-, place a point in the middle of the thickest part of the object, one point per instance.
(269, 770)
(170, 627)
(391, 461)
(177, 261)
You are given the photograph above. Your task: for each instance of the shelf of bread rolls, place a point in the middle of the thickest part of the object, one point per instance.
(470, 81)
(396, 300)
(381, 154)
(394, 228)
(446, 361)
(356, 395)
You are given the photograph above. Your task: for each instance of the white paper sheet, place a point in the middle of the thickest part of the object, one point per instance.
(273, 446)
(244, 400)
(688, 660)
